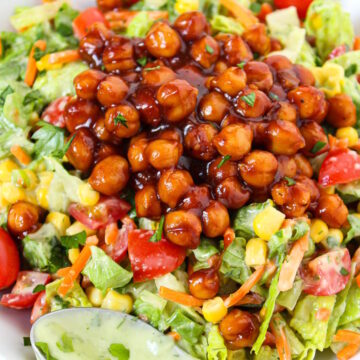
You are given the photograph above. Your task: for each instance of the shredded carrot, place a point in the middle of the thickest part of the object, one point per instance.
(265, 10)
(63, 57)
(281, 341)
(347, 352)
(31, 69)
(179, 297)
(63, 272)
(323, 314)
(356, 43)
(111, 233)
(245, 288)
(175, 335)
(292, 263)
(242, 14)
(75, 270)
(20, 155)
(348, 336)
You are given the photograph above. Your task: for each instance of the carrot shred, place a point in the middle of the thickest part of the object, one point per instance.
(179, 297)
(111, 233)
(356, 45)
(175, 335)
(244, 15)
(20, 154)
(358, 280)
(31, 69)
(63, 57)
(265, 10)
(347, 352)
(348, 336)
(245, 288)
(281, 341)
(323, 314)
(63, 272)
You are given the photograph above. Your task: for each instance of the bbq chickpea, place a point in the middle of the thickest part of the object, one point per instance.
(286, 166)
(86, 83)
(259, 74)
(22, 217)
(199, 142)
(112, 90)
(205, 51)
(231, 81)
(183, 228)
(103, 150)
(219, 170)
(91, 48)
(342, 111)
(204, 284)
(231, 193)
(178, 99)
(173, 185)
(81, 150)
(283, 138)
(239, 329)
(213, 107)
(303, 165)
(110, 175)
(283, 110)
(196, 199)
(252, 103)
(312, 133)
(236, 50)
(234, 140)
(136, 155)
(171, 134)
(163, 154)
(123, 121)
(304, 75)
(332, 210)
(215, 219)
(191, 25)
(79, 112)
(162, 40)
(258, 168)
(278, 62)
(310, 102)
(144, 100)
(156, 74)
(310, 185)
(100, 130)
(146, 202)
(118, 54)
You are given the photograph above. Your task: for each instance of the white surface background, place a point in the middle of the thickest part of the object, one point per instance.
(15, 324)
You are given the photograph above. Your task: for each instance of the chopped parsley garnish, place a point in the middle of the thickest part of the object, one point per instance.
(38, 288)
(7, 91)
(156, 237)
(152, 68)
(120, 119)
(273, 96)
(223, 161)
(290, 181)
(73, 241)
(249, 99)
(317, 147)
(44, 349)
(142, 61)
(344, 272)
(27, 341)
(351, 70)
(119, 351)
(209, 49)
(241, 64)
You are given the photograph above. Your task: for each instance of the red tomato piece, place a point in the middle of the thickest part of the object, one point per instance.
(339, 50)
(40, 307)
(54, 113)
(9, 260)
(340, 166)
(301, 5)
(327, 274)
(152, 259)
(82, 22)
(21, 296)
(118, 250)
(109, 209)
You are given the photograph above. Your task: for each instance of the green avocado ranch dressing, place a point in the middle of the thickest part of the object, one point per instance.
(102, 335)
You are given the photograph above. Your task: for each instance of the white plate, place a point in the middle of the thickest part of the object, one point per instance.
(14, 325)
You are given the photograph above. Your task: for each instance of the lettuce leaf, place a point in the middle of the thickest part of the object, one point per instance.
(139, 25)
(289, 298)
(226, 24)
(203, 252)
(216, 349)
(266, 352)
(352, 309)
(354, 230)
(349, 192)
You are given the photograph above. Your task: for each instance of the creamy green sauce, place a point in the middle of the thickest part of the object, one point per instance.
(92, 334)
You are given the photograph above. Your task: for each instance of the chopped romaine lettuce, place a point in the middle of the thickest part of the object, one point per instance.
(277, 243)
(266, 352)
(104, 272)
(352, 310)
(216, 349)
(349, 192)
(226, 24)
(139, 25)
(13, 136)
(350, 62)
(203, 252)
(330, 25)
(171, 282)
(289, 298)
(64, 18)
(354, 230)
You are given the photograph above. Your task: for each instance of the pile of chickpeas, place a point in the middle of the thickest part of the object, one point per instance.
(198, 127)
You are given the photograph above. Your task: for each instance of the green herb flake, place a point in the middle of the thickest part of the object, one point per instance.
(317, 147)
(273, 96)
(343, 271)
(290, 181)
(255, 7)
(38, 53)
(120, 120)
(142, 61)
(65, 344)
(26, 341)
(119, 351)
(73, 241)
(249, 99)
(7, 91)
(44, 349)
(152, 68)
(156, 237)
(38, 288)
(209, 49)
(351, 70)
(241, 64)
(224, 160)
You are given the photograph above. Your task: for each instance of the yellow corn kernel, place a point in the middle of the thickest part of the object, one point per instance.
(336, 234)
(3, 202)
(182, 6)
(115, 301)
(59, 220)
(316, 21)
(78, 227)
(45, 64)
(348, 133)
(73, 254)
(31, 198)
(256, 252)
(268, 222)
(42, 196)
(88, 196)
(46, 177)
(214, 310)
(318, 230)
(6, 167)
(12, 193)
(95, 296)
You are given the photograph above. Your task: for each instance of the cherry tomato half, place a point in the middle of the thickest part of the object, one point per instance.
(54, 113)
(87, 18)
(40, 307)
(152, 259)
(9, 260)
(327, 274)
(340, 166)
(301, 5)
